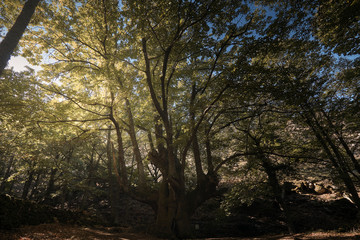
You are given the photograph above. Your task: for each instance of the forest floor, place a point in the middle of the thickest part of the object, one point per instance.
(56, 231)
(335, 217)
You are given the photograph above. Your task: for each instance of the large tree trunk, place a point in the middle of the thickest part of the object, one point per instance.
(163, 225)
(174, 209)
(172, 215)
(12, 38)
(173, 218)
(175, 205)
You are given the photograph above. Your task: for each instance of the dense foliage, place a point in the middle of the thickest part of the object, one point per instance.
(169, 102)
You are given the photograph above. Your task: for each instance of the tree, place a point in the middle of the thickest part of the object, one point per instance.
(309, 90)
(156, 72)
(163, 98)
(12, 38)
(337, 25)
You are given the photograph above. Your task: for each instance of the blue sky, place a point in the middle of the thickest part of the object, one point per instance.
(19, 64)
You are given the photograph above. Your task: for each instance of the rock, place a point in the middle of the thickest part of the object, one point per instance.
(306, 187)
(320, 189)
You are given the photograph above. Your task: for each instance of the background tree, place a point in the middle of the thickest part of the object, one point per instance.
(311, 91)
(337, 25)
(11, 40)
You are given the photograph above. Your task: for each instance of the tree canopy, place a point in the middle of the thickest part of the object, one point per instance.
(170, 101)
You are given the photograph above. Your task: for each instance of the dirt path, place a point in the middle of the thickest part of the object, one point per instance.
(69, 232)
(305, 236)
